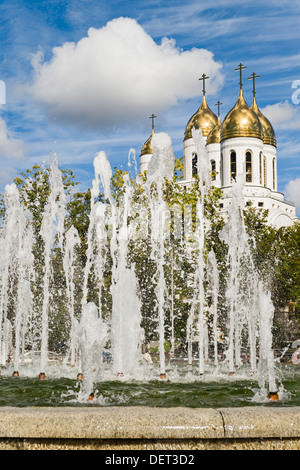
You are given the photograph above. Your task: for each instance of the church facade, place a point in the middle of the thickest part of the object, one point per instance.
(244, 143)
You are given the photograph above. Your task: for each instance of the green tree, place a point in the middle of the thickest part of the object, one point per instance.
(34, 190)
(286, 286)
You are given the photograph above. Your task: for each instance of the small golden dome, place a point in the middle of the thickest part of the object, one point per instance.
(147, 147)
(241, 121)
(214, 137)
(203, 118)
(268, 134)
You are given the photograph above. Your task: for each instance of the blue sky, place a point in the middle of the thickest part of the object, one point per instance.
(85, 75)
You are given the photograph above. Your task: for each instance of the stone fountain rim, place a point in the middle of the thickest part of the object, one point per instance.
(144, 423)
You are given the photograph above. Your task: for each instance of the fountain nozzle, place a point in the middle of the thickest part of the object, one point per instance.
(273, 396)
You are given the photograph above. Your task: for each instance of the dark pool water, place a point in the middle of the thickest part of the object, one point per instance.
(22, 392)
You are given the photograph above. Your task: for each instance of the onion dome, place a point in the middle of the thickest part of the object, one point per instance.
(214, 137)
(203, 118)
(268, 134)
(147, 147)
(241, 121)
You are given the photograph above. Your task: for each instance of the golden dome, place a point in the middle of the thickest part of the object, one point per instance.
(241, 121)
(203, 118)
(268, 134)
(214, 137)
(147, 147)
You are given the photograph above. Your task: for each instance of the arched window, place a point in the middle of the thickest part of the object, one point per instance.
(232, 166)
(274, 174)
(265, 171)
(194, 164)
(248, 166)
(213, 170)
(260, 169)
(222, 170)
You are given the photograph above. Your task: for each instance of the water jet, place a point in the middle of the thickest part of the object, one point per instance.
(105, 344)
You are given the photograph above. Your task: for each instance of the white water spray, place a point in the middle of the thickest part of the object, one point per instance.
(161, 167)
(51, 232)
(126, 318)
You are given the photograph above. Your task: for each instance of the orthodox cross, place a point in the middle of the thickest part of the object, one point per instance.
(218, 104)
(203, 77)
(253, 77)
(240, 68)
(152, 117)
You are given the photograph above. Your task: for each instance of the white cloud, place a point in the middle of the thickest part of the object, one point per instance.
(283, 115)
(292, 192)
(10, 148)
(118, 74)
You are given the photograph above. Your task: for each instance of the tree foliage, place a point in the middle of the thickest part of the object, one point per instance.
(276, 253)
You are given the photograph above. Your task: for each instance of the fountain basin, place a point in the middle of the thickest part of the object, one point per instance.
(147, 428)
(154, 415)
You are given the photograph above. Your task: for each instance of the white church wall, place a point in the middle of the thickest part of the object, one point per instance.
(240, 145)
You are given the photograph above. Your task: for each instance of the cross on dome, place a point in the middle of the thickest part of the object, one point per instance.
(152, 117)
(218, 104)
(203, 77)
(240, 68)
(253, 77)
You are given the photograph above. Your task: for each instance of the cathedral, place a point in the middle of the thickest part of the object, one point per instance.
(243, 143)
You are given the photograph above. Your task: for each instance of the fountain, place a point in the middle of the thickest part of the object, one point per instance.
(110, 348)
(17, 260)
(52, 226)
(92, 334)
